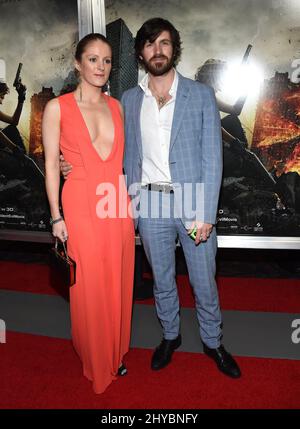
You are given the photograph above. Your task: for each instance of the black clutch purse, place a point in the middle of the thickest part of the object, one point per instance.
(63, 264)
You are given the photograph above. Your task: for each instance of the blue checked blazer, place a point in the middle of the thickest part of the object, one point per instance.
(195, 154)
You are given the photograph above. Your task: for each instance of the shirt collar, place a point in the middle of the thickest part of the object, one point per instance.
(144, 84)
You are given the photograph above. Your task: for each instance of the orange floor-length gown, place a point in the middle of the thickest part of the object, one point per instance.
(103, 248)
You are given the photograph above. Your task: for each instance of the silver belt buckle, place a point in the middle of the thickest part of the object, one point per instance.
(159, 187)
(166, 188)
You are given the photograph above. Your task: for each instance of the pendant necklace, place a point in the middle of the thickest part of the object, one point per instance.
(161, 99)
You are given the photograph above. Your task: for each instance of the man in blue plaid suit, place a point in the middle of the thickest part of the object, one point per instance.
(173, 163)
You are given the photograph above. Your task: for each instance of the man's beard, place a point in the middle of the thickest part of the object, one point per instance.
(158, 69)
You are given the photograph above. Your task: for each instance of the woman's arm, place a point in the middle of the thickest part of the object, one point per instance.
(13, 120)
(234, 109)
(51, 137)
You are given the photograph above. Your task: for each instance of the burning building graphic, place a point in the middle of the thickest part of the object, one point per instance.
(38, 103)
(276, 136)
(294, 164)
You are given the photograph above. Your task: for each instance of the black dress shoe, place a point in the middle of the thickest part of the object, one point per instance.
(163, 353)
(122, 370)
(224, 361)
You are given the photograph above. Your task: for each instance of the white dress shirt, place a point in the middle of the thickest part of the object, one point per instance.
(156, 125)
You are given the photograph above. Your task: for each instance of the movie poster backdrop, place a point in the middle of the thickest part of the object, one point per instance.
(37, 40)
(248, 51)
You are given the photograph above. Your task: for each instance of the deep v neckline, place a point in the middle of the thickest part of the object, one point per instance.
(88, 132)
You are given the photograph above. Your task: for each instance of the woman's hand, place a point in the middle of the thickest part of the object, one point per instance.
(59, 230)
(21, 90)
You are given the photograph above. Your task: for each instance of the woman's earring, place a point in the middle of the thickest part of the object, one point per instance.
(80, 93)
(107, 88)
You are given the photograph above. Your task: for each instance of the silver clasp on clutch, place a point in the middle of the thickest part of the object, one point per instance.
(64, 246)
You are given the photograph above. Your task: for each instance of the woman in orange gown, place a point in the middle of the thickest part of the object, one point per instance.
(87, 127)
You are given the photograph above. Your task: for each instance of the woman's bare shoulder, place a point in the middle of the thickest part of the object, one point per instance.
(52, 107)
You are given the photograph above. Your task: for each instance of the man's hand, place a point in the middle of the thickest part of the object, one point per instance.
(65, 167)
(203, 231)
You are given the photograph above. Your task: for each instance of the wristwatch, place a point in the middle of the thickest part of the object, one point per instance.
(53, 221)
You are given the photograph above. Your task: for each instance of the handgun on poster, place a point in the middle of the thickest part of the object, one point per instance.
(17, 80)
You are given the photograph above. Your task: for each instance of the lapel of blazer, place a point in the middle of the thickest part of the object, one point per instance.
(137, 119)
(180, 107)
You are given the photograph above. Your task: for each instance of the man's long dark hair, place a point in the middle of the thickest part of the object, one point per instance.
(150, 30)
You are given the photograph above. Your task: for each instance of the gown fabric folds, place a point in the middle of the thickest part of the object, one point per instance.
(102, 246)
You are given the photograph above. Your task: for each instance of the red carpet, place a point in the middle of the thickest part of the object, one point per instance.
(40, 372)
(247, 294)
(236, 293)
(17, 276)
